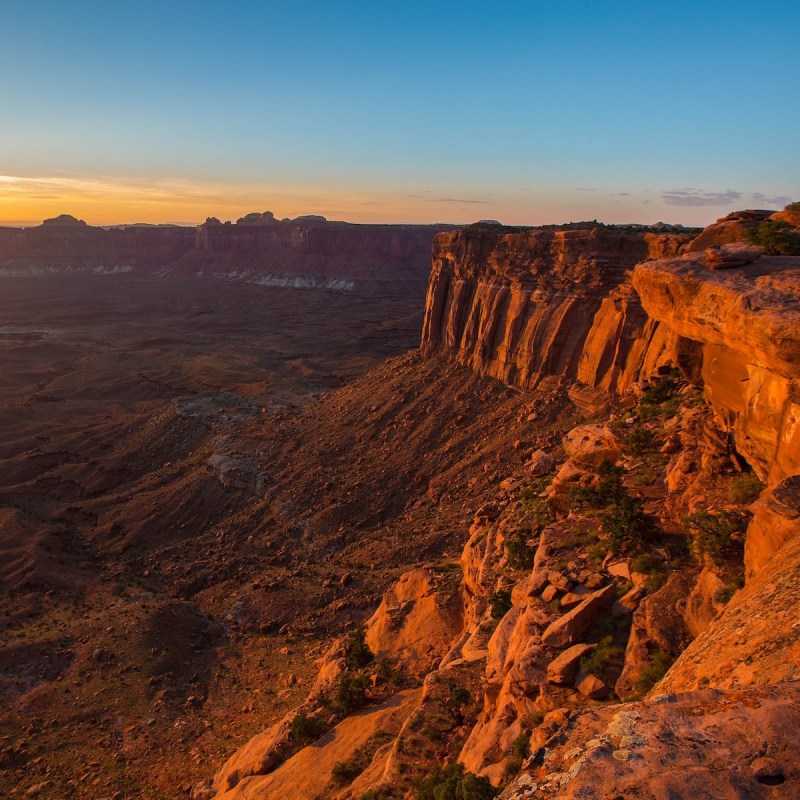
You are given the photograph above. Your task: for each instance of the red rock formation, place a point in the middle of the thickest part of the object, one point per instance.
(307, 252)
(519, 306)
(746, 326)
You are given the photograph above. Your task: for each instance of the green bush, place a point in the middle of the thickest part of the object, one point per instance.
(346, 770)
(640, 441)
(306, 729)
(520, 554)
(520, 745)
(454, 783)
(719, 536)
(604, 657)
(500, 603)
(351, 692)
(357, 652)
(776, 237)
(655, 670)
(535, 507)
(628, 526)
(606, 492)
(458, 697)
(745, 488)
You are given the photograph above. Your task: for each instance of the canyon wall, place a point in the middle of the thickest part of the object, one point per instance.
(602, 309)
(522, 306)
(308, 252)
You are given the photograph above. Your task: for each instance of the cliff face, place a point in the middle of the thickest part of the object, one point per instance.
(520, 306)
(746, 326)
(78, 248)
(305, 253)
(336, 254)
(565, 306)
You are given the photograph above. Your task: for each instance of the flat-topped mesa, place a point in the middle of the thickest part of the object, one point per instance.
(310, 247)
(519, 306)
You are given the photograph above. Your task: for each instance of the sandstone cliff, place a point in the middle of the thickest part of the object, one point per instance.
(584, 583)
(305, 253)
(519, 306)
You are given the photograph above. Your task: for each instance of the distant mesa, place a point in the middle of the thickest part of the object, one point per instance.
(64, 221)
(267, 218)
(489, 222)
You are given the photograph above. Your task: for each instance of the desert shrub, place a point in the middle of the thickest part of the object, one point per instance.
(513, 765)
(387, 673)
(640, 441)
(605, 656)
(725, 594)
(458, 696)
(357, 652)
(776, 236)
(656, 669)
(718, 536)
(500, 603)
(606, 492)
(351, 692)
(347, 770)
(792, 207)
(520, 745)
(745, 488)
(453, 782)
(535, 718)
(628, 526)
(535, 507)
(520, 553)
(661, 398)
(306, 729)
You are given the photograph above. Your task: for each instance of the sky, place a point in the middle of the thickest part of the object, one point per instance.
(526, 112)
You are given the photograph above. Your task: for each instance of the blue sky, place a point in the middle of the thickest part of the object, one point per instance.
(525, 112)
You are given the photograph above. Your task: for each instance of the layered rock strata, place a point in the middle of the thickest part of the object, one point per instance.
(521, 306)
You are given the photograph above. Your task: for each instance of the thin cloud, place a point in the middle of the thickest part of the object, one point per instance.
(771, 201)
(460, 200)
(697, 197)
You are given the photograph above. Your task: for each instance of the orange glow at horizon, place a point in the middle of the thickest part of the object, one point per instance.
(26, 201)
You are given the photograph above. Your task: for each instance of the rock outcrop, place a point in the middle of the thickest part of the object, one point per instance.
(745, 324)
(519, 306)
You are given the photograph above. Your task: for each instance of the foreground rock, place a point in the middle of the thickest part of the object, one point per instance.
(706, 743)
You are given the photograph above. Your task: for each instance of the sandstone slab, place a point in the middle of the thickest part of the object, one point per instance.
(568, 629)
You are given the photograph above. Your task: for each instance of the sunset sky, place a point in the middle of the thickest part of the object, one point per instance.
(526, 112)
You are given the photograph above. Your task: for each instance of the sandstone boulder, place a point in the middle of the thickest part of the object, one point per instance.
(705, 744)
(563, 669)
(592, 687)
(541, 463)
(568, 629)
(733, 255)
(591, 445)
(415, 623)
(702, 607)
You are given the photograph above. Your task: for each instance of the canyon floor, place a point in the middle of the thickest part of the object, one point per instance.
(201, 484)
(123, 485)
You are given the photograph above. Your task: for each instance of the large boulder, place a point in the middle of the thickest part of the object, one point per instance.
(569, 629)
(591, 445)
(563, 669)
